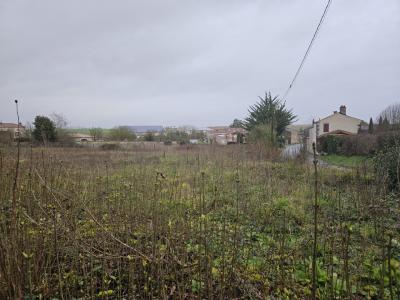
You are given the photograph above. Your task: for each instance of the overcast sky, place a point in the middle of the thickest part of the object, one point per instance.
(108, 63)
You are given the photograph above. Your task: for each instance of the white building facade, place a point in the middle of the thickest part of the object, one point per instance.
(338, 122)
(15, 130)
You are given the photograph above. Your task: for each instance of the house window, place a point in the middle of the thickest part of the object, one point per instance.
(326, 127)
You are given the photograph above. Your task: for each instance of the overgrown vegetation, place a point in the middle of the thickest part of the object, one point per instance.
(387, 160)
(121, 133)
(191, 222)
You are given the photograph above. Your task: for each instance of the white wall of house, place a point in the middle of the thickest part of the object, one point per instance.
(82, 137)
(15, 132)
(312, 137)
(338, 121)
(334, 122)
(296, 133)
(220, 139)
(294, 137)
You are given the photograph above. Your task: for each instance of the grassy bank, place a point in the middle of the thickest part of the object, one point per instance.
(344, 161)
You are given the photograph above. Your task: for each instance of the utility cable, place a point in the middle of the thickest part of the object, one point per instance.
(308, 49)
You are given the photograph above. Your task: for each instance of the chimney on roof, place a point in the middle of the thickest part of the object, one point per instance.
(343, 109)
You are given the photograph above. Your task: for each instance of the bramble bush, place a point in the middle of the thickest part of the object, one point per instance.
(387, 160)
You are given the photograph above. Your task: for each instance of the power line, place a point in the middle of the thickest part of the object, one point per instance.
(308, 49)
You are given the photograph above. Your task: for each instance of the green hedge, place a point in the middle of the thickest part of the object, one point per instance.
(364, 144)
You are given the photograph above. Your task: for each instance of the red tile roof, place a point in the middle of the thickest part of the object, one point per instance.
(10, 125)
(226, 130)
(337, 132)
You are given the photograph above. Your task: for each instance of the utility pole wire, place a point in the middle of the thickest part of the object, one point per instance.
(308, 49)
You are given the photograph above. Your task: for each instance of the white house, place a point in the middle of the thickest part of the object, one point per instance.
(223, 135)
(338, 123)
(14, 130)
(79, 137)
(294, 133)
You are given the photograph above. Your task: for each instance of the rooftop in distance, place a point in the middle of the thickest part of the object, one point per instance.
(144, 129)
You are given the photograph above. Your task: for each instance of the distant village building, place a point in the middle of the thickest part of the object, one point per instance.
(142, 130)
(80, 137)
(223, 135)
(338, 123)
(294, 134)
(12, 130)
(187, 129)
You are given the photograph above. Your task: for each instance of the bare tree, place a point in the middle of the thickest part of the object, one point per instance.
(391, 114)
(60, 121)
(96, 133)
(28, 130)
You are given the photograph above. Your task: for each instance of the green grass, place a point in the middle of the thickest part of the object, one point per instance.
(344, 161)
(79, 130)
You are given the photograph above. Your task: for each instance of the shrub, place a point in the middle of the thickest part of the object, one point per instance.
(362, 144)
(387, 166)
(263, 135)
(5, 137)
(110, 147)
(64, 138)
(121, 133)
(168, 142)
(149, 137)
(387, 139)
(23, 139)
(387, 159)
(328, 144)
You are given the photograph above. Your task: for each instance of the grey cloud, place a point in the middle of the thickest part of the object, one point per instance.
(107, 63)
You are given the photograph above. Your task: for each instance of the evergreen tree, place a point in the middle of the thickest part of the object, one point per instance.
(237, 124)
(371, 126)
(270, 111)
(45, 130)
